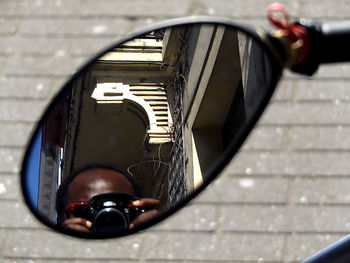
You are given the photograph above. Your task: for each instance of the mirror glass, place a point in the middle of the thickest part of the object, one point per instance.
(137, 131)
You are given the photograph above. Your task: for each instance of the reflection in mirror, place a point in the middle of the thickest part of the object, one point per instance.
(138, 131)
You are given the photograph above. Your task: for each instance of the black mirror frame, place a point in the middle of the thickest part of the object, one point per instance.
(255, 33)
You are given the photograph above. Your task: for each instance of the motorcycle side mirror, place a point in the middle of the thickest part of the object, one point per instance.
(154, 117)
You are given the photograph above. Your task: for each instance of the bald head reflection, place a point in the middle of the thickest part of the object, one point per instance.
(97, 181)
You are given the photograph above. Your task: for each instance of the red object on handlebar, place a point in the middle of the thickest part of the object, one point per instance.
(279, 17)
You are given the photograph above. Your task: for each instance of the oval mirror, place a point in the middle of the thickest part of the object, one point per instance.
(145, 126)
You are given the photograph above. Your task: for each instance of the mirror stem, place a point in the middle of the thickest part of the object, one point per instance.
(328, 43)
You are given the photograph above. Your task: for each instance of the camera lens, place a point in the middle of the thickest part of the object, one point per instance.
(110, 220)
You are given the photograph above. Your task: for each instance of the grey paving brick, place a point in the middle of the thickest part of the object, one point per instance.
(47, 244)
(3, 61)
(307, 114)
(139, 8)
(41, 46)
(240, 218)
(199, 246)
(29, 87)
(39, 8)
(5, 48)
(10, 160)
(15, 134)
(27, 111)
(320, 190)
(321, 90)
(10, 188)
(3, 237)
(70, 261)
(284, 219)
(316, 163)
(340, 70)
(316, 138)
(327, 71)
(8, 27)
(299, 247)
(17, 216)
(193, 217)
(266, 138)
(285, 91)
(8, 7)
(246, 189)
(243, 9)
(325, 9)
(320, 219)
(75, 27)
(41, 66)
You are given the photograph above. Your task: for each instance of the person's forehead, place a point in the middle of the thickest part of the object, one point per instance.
(97, 181)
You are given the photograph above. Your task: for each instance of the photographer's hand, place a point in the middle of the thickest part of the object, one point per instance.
(153, 207)
(77, 224)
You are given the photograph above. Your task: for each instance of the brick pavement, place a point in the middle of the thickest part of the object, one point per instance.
(296, 160)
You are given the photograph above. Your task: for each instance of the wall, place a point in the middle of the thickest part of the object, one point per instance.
(265, 206)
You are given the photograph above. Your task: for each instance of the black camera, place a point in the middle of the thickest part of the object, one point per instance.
(110, 213)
